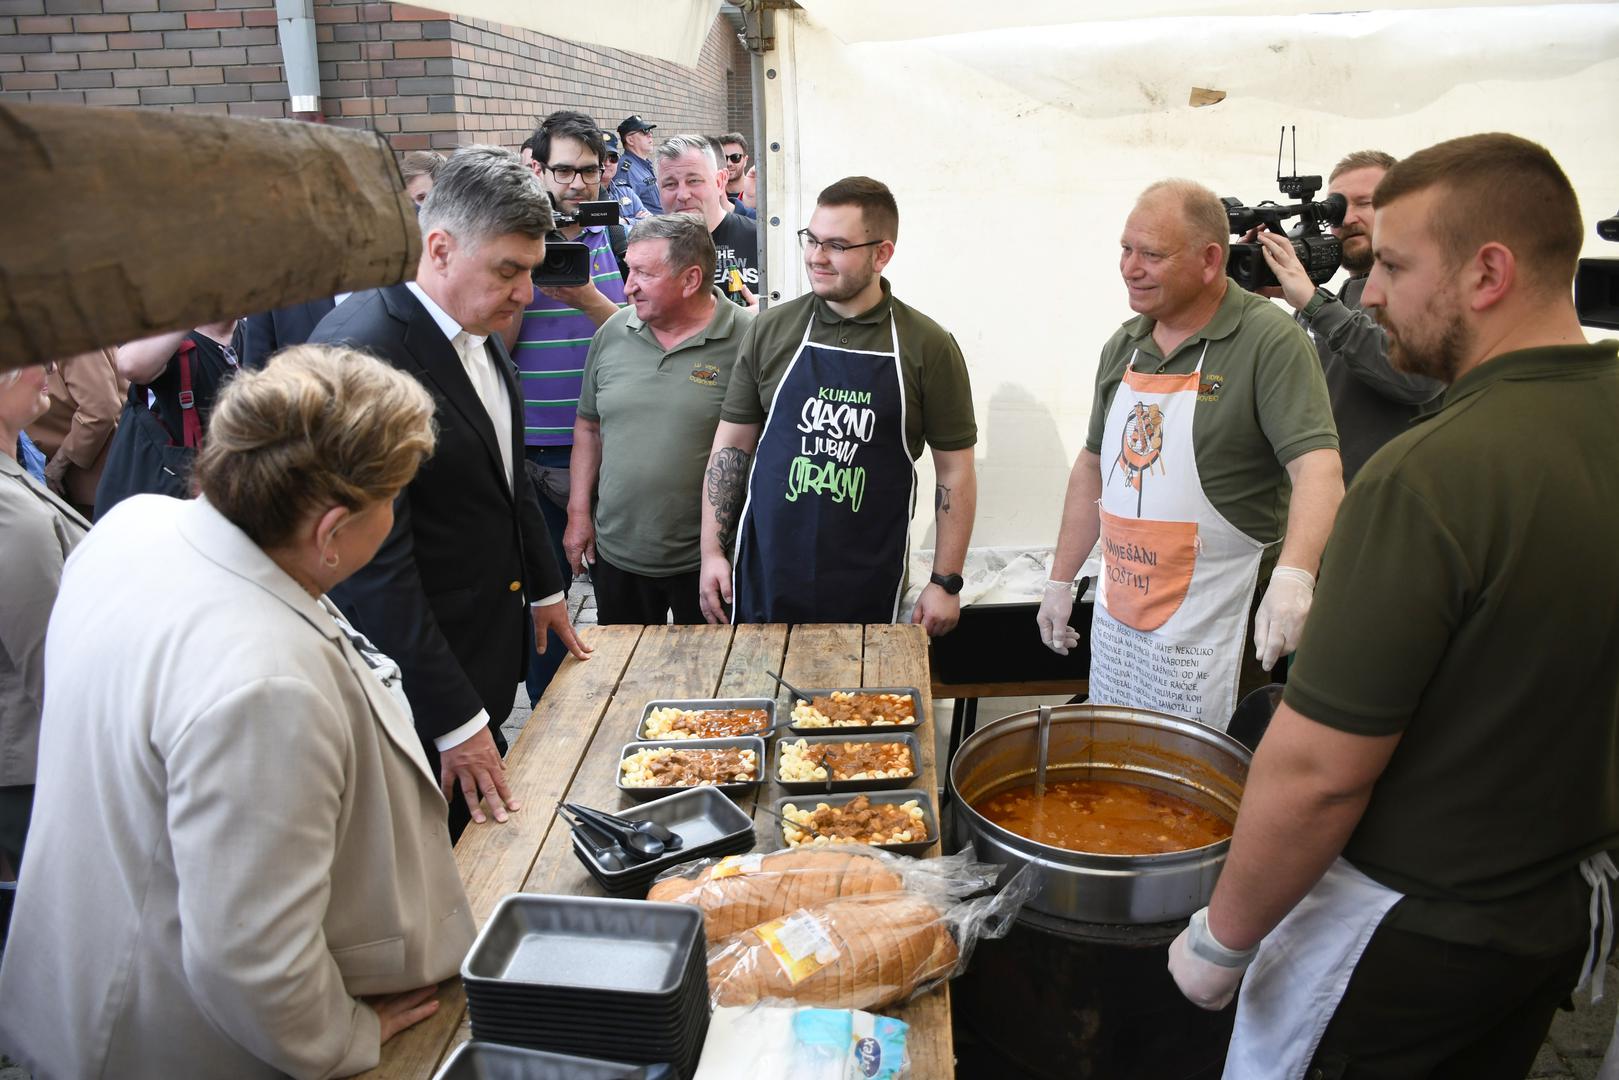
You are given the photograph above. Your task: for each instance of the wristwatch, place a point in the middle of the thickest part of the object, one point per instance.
(1314, 304)
(950, 583)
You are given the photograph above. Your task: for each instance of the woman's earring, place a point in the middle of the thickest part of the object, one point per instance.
(329, 560)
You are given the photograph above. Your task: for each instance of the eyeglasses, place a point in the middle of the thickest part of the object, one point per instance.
(809, 242)
(735, 159)
(565, 173)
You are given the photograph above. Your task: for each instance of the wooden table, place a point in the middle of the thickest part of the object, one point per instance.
(570, 748)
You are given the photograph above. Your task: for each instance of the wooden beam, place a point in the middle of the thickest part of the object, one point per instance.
(124, 223)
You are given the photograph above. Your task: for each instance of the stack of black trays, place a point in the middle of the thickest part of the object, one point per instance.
(710, 825)
(598, 978)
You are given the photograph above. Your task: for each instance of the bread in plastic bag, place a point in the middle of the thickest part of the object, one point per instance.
(869, 950)
(742, 891)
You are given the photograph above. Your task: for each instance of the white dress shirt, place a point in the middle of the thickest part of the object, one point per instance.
(491, 390)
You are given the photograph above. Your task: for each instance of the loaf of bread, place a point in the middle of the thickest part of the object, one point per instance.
(853, 952)
(750, 890)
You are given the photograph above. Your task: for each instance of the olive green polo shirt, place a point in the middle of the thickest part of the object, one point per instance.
(1469, 602)
(1262, 401)
(938, 394)
(658, 409)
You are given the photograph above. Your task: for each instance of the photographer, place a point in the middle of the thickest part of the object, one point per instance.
(550, 342)
(1371, 401)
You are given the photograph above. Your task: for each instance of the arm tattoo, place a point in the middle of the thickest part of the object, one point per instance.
(941, 499)
(726, 480)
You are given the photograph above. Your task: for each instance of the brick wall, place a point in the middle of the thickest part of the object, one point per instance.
(423, 79)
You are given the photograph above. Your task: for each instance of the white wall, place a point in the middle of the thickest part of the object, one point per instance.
(1016, 154)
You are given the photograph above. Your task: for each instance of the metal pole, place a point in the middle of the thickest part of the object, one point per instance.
(295, 27)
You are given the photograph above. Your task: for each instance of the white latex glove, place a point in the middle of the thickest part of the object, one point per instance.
(1207, 972)
(1280, 621)
(1055, 608)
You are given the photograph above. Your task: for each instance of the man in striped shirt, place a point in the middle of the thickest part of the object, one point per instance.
(550, 342)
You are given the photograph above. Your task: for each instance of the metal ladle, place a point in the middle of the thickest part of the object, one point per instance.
(1042, 735)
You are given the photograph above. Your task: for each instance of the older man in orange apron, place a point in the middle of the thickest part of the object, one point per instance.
(1421, 868)
(1210, 410)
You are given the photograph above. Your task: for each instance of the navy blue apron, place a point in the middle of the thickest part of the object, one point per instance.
(824, 531)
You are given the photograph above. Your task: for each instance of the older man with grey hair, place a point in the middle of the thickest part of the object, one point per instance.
(655, 378)
(691, 180)
(466, 560)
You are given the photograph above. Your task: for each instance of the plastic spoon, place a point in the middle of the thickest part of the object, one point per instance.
(667, 836)
(785, 820)
(606, 851)
(649, 832)
(789, 687)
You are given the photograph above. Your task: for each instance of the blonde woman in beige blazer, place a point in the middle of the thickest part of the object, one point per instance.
(239, 865)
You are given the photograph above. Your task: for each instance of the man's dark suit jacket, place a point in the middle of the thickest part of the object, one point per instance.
(448, 593)
(260, 336)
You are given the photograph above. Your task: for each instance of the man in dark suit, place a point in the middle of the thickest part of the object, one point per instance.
(258, 337)
(468, 555)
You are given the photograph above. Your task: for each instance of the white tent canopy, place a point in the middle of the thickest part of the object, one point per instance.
(1016, 153)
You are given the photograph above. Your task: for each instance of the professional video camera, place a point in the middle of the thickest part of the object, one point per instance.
(1596, 284)
(567, 262)
(1319, 251)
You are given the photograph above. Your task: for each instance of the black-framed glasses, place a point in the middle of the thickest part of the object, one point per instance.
(735, 159)
(809, 242)
(565, 173)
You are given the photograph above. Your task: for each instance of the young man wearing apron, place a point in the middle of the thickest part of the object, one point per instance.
(812, 480)
(1423, 859)
(1210, 405)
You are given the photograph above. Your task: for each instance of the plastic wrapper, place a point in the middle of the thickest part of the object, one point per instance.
(765, 1042)
(839, 927)
(739, 892)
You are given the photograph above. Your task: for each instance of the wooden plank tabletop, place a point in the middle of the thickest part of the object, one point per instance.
(570, 748)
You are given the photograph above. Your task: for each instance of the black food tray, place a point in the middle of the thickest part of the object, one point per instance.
(493, 1061)
(743, 742)
(810, 787)
(915, 848)
(917, 712)
(589, 948)
(695, 704)
(702, 816)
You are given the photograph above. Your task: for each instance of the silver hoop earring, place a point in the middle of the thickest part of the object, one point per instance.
(329, 561)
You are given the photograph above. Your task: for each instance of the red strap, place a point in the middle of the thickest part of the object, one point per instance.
(188, 400)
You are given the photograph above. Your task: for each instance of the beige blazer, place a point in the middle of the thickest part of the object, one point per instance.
(235, 832)
(37, 532)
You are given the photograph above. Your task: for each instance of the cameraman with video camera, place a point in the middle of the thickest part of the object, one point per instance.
(549, 343)
(1371, 401)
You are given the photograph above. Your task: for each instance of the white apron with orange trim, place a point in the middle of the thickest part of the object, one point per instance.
(1177, 578)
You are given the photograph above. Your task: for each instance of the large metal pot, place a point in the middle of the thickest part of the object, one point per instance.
(1104, 742)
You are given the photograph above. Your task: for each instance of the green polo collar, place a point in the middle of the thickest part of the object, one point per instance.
(719, 327)
(877, 313)
(1227, 317)
(1550, 362)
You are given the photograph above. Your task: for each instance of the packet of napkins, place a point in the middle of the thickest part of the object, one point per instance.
(762, 1042)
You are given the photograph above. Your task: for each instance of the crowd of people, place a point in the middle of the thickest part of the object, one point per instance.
(247, 713)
